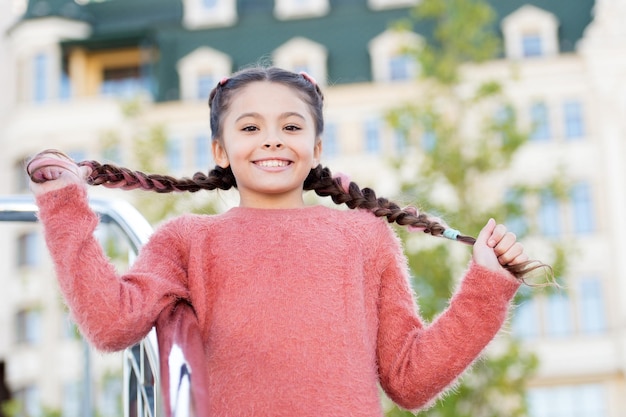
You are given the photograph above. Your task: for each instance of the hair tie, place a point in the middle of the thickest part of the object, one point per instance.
(344, 181)
(223, 81)
(307, 77)
(451, 234)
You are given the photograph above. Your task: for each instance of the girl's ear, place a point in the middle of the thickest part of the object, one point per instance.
(219, 154)
(317, 152)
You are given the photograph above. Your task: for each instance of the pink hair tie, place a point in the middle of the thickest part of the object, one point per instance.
(224, 81)
(344, 181)
(308, 77)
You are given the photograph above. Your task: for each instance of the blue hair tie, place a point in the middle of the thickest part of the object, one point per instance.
(451, 234)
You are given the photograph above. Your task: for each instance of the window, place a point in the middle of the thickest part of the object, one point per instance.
(429, 140)
(531, 45)
(72, 399)
(200, 71)
(202, 154)
(28, 326)
(28, 249)
(591, 312)
(525, 320)
(175, 154)
(301, 54)
(40, 77)
(123, 72)
(530, 32)
(330, 143)
(199, 14)
(540, 122)
(573, 119)
(400, 140)
(515, 220)
(588, 400)
(299, 9)
(372, 136)
(582, 209)
(390, 4)
(391, 58)
(558, 317)
(401, 67)
(28, 399)
(549, 216)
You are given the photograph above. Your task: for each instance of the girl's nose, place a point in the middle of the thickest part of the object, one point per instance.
(273, 141)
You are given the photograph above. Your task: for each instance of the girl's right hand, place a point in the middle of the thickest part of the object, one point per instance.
(52, 170)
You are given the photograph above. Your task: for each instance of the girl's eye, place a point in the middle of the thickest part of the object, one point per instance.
(249, 128)
(292, 128)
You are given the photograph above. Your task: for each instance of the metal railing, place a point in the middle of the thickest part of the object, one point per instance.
(142, 391)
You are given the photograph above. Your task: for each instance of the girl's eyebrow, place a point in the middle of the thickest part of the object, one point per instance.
(281, 116)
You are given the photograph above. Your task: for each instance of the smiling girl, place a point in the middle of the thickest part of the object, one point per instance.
(299, 310)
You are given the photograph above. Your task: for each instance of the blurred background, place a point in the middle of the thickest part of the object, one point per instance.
(465, 108)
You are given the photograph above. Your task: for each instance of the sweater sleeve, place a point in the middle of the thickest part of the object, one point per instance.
(113, 311)
(418, 361)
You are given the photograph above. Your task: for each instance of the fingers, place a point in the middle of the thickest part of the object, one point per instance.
(506, 247)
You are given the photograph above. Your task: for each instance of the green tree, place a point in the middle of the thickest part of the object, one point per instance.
(453, 165)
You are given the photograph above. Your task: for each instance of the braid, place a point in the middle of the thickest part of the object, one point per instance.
(324, 184)
(118, 177)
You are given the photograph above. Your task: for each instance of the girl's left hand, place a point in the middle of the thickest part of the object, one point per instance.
(496, 247)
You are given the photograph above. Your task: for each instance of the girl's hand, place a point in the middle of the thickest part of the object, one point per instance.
(496, 247)
(51, 170)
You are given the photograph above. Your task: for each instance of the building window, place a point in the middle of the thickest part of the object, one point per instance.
(28, 249)
(515, 220)
(202, 154)
(530, 32)
(372, 136)
(28, 400)
(200, 14)
(330, 144)
(582, 209)
(28, 326)
(40, 76)
(588, 400)
(72, 399)
(301, 54)
(390, 4)
(549, 216)
(531, 45)
(175, 154)
(123, 72)
(540, 122)
(390, 56)
(525, 320)
(573, 119)
(200, 71)
(591, 313)
(401, 67)
(300, 9)
(559, 316)
(429, 140)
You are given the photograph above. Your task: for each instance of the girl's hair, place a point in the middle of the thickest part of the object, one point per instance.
(320, 179)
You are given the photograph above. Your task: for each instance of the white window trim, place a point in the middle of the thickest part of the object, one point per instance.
(202, 60)
(290, 9)
(390, 4)
(387, 45)
(297, 50)
(530, 19)
(195, 16)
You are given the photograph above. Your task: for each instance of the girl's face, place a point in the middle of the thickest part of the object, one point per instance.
(269, 141)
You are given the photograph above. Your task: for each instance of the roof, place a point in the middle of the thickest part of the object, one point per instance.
(345, 30)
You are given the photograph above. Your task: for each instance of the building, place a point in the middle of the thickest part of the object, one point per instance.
(74, 67)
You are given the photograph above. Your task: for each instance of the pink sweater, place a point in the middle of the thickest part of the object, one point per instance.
(301, 311)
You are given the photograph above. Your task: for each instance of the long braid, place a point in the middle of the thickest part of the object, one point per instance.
(118, 177)
(324, 184)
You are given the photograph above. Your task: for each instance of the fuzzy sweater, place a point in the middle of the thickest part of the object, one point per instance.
(301, 312)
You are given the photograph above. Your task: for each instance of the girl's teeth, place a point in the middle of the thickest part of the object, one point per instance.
(272, 163)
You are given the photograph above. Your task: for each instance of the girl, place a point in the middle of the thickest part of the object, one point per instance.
(299, 310)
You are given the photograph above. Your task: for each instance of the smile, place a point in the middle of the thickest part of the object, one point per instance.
(272, 163)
